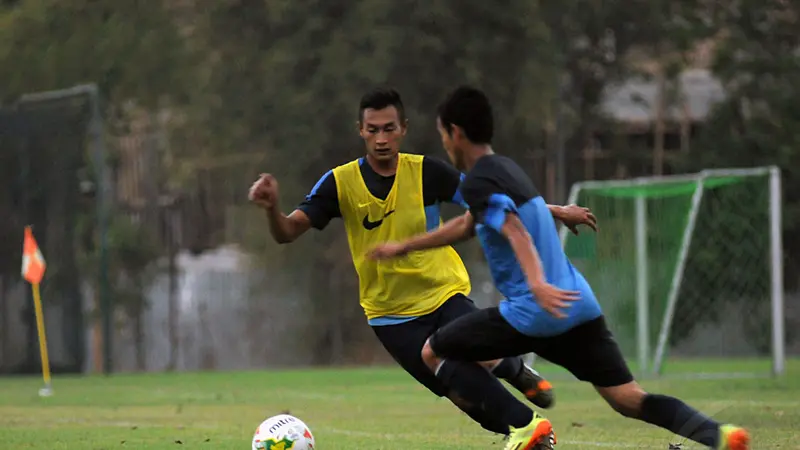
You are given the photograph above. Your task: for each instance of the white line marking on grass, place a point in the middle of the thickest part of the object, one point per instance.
(101, 423)
(369, 434)
(608, 444)
(775, 404)
(305, 394)
(374, 435)
(312, 395)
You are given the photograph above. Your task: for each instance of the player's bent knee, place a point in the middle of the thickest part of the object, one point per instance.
(429, 356)
(490, 365)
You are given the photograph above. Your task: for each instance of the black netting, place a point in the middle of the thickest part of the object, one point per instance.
(43, 149)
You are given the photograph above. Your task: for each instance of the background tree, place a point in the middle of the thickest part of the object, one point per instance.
(272, 86)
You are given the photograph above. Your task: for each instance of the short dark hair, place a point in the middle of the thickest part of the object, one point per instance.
(380, 98)
(468, 108)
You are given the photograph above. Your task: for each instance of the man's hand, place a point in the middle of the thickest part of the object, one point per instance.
(552, 299)
(387, 250)
(264, 192)
(573, 215)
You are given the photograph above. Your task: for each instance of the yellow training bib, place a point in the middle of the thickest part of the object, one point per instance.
(413, 285)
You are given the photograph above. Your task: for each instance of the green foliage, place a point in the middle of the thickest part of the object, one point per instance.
(283, 85)
(759, 122)
(129, 49)
(294, 86)
(131, 251)
(272, 86)
(600, 43)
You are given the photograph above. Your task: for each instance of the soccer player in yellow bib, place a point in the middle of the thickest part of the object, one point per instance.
(391, 196)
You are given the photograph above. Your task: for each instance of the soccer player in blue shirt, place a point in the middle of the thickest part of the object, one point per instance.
(549, 308)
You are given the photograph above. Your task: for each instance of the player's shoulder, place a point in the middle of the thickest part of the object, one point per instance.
(509, 177)
(486, 168)
(498, 167)
(437, 169)
(328, 179)
(475, 181)
(495, 162)
(437, 162)
(490, 174)
(349, 164)
(412, 157)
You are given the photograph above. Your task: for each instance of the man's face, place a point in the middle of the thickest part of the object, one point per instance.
(383, 132)
(450, 146)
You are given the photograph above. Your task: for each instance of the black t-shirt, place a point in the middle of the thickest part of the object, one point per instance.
(440, 182)
(495, 175)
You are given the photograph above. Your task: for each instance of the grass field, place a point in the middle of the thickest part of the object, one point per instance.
(372, 409)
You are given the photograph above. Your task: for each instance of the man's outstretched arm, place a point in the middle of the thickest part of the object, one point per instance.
(573, 215)
(285, 229)
(570, 215)
(319, 207)
(557, 211)
(549, 297)
(521, 243)
(453, 231)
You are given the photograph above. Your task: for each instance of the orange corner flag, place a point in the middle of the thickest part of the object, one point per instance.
(33, 264)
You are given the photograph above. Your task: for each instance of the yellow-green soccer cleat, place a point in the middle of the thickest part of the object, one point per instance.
(537, 435)
(733, 438)
(536, 389)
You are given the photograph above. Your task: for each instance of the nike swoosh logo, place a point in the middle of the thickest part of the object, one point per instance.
(372, 225)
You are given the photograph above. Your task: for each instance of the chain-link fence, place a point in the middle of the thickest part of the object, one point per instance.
(685, 268)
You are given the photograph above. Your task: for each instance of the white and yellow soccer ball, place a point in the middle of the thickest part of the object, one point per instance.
(283, 432)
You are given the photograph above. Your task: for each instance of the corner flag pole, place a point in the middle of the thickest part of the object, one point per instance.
(37, 301)
(33, 268)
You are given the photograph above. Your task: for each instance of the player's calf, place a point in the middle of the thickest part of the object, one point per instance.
(477, 386)
(477, 413)
(674, 415)
(626, 399)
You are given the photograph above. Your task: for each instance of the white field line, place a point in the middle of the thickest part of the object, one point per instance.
(420, 435)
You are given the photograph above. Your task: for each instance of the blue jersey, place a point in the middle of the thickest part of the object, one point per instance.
(495, 187)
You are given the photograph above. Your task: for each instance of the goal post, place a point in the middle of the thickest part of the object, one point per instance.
(688, 269)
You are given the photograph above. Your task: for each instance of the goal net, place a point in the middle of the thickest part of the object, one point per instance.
(688, 269)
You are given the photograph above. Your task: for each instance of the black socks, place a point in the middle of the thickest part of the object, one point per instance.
(486, 420)
(478, 387)
(678, 417)
(509, 368)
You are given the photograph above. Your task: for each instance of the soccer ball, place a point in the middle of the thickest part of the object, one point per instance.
(283, 432)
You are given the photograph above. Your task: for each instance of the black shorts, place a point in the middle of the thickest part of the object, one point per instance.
(588, 351)
(404, 341)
